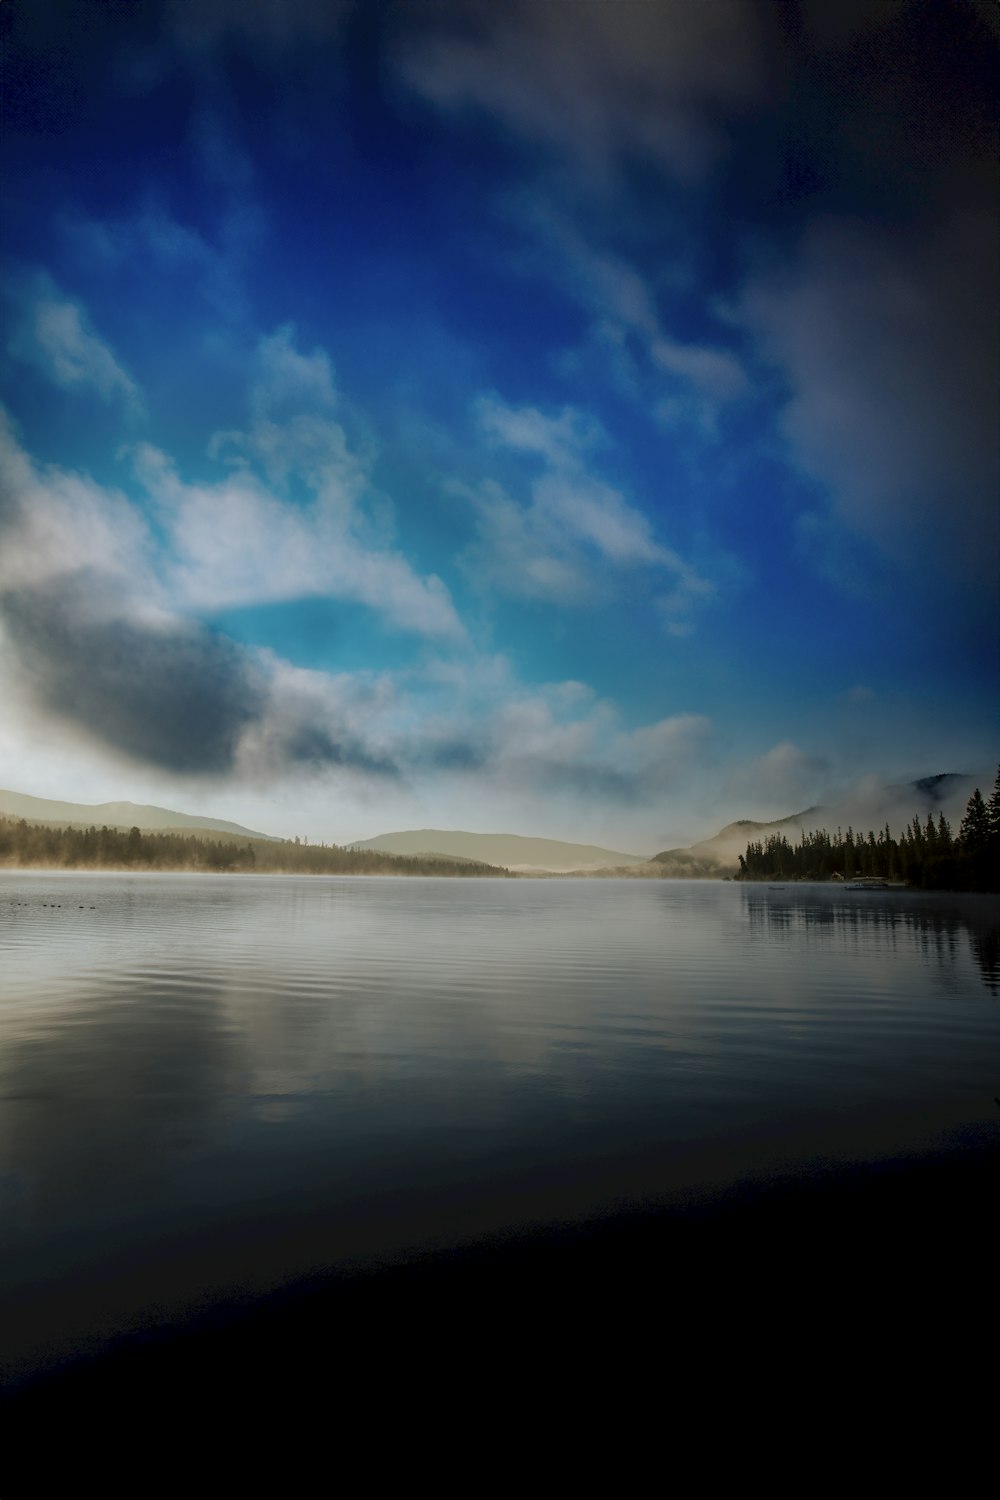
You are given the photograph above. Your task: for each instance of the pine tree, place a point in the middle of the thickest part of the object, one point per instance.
(993, 812)
(975, 830)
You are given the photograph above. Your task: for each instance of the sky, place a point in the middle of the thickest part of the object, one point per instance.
(574, 418)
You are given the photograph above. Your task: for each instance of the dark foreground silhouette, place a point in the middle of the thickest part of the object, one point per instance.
(863, 1288)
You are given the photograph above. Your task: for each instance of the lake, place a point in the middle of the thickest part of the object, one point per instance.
(213, 1088)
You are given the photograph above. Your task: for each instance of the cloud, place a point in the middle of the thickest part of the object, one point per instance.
(271, 28)
(167, 693)
(593, 83)
(208, 263)
(97, 620)
(576, 536)
(623, 304)
(865, 143)
(888, 345)
(88, 632)
(99, 653)
(588, 755)
(783, 780)
(55, 335)
(313, 724)
(233, 544)
(603, 89)
(474, 725)
(561, 440)
(95, 643)
(288, 382)
(251, 538)
(53, 520)
(234, 541)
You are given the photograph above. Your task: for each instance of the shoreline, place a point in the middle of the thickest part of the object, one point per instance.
(840, 1242)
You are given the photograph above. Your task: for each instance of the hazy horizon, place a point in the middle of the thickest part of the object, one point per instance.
(576, 422)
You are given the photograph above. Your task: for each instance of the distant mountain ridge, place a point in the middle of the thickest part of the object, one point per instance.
(114, 815)
(871, 805)
(897, 804)
(514, 851)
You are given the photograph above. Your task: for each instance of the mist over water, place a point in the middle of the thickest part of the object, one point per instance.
(211, 1086)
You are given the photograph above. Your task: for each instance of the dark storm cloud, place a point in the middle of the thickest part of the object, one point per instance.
(172, 695)
(169, 692)
(313, 746)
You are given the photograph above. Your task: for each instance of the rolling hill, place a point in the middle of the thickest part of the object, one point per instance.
(512, 850)
(116, 815)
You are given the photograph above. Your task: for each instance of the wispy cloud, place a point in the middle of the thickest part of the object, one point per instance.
(234, 543)
(209, 262)
(785, 779)
(246, 538)
(54, 333)
(557, 741)
(595, 84)
(675, 377)
(575, 537)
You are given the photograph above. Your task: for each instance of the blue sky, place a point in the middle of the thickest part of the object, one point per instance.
(569, 418)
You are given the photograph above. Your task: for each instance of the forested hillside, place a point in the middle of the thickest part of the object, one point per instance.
(29, 844)
(926, 854)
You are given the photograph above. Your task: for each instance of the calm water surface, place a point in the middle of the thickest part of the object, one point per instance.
(211, 1084)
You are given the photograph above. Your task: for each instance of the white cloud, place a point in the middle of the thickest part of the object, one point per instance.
(59, 521)
(562, 440)
(234, 543)
(663, 755)
(54, 333)
(555, 747)
(598, 514)
(289, 381)
(576, 536)
(679, 381)
(243, 539)
(784, 780)
(238, 540)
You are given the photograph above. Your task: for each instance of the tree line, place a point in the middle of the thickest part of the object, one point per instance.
(25, 844)
(925, 854)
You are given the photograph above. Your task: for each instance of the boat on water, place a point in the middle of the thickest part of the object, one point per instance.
(867, 884)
